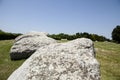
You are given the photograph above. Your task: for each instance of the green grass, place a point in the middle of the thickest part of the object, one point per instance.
(6, 65)
(62, 41)
(108, 54)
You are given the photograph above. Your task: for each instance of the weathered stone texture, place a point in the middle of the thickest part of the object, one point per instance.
(26, 44)
(74, 60)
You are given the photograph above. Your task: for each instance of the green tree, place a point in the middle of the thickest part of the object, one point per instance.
(78, 35)
(116, 34)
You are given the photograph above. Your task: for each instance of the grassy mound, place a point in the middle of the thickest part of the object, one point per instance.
(108, 54)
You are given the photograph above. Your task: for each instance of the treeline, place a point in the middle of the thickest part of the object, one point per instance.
(7, 36)
(93, 37)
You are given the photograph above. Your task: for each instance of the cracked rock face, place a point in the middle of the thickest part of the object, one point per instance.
(74, 60)
(26, 44)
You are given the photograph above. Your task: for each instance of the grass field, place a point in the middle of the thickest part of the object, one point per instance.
(6, 65)
(108, 54)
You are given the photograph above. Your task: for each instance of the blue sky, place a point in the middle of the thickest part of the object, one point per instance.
(57, 16)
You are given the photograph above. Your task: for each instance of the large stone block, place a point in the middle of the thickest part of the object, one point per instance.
(26, 44)
(74, 60)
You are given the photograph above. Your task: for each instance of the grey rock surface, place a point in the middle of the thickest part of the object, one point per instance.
(26, 44)
(74, 60)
